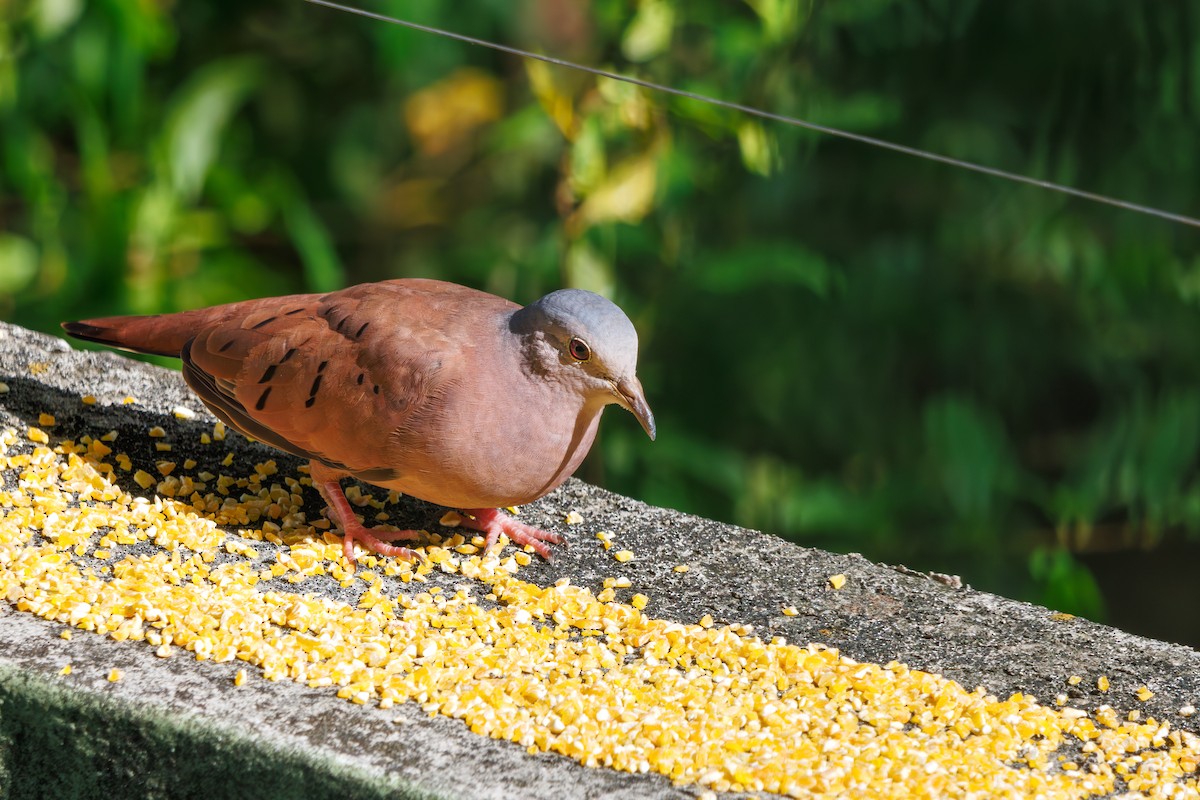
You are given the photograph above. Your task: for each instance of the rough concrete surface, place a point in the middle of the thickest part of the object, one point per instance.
(165, 725)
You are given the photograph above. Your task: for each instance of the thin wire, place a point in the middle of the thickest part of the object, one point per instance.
(756, 112)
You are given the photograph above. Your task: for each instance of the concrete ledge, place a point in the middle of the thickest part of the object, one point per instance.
(179, 727)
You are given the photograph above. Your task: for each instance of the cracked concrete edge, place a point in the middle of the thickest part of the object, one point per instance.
(736, 575)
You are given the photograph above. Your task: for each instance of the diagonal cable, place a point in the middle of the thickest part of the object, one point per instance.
(786, 120)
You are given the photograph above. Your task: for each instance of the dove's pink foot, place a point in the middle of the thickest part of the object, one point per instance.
(493, 522)
(354, 531)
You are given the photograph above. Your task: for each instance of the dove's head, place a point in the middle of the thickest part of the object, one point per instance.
(584, 339)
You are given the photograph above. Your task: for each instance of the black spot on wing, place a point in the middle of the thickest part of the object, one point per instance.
(268, 373)
(231, 412)
(262, 399)
(266, 321)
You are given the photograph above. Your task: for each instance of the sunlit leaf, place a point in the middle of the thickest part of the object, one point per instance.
(557, 102)
(649, 34)
(199, 116)
(51, 17)
(625, 195)
(760, 153)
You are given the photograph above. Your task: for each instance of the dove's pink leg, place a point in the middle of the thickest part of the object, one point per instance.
(353, 530)
(493, 522)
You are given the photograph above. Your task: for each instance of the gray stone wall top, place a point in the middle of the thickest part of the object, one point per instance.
(169, 721)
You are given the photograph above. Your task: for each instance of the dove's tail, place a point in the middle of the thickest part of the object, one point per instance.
(158, 334)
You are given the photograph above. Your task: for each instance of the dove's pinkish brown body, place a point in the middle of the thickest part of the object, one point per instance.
(445, 393)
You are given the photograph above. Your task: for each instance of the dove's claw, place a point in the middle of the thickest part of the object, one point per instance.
(493, 522)
(354, 531)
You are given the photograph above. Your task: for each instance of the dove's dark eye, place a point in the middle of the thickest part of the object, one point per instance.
(579, 349)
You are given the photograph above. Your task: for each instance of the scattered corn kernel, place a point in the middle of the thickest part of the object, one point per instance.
(66, 670)
(183, 412)
(144, 479)
(1187, 710)
(1074, 680)
(115, 675)
(239, 679)
(129, 399)
(66, 634)
(163, 447)
(218, 433)
(47, 420)
(451, 519)
(1102, 683)
(789, 611)
(837, 581)
(681, 568)
(624, 556)
(1143, 693)
(574, 518)
(3, 388)
(88, 399)
(157, 432)
(38, 435)
(639, 601)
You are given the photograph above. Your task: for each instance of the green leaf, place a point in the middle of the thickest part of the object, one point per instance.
(18, 263)
(199, 116)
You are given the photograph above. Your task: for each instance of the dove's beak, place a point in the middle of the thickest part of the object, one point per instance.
(633, 399)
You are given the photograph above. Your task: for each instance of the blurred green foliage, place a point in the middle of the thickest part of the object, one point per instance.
(844, 346)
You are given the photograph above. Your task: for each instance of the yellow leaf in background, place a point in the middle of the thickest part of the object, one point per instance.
(442, 116)
(649, 34)
(559, 105)
(625, 195)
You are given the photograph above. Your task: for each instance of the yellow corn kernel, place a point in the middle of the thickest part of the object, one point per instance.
(837, 581)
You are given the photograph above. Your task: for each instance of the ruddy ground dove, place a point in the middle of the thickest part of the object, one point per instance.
(445, 393)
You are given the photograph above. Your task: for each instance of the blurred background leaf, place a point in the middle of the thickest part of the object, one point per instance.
(846, 347)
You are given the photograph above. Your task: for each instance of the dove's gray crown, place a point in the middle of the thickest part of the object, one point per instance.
(591, 317)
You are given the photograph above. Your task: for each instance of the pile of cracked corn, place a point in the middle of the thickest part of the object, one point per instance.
(559, 668)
